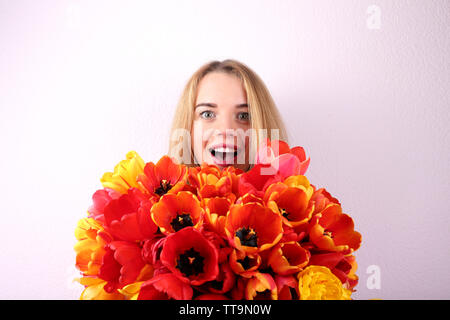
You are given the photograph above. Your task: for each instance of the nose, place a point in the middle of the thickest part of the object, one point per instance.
(225, 127)
(225, 123)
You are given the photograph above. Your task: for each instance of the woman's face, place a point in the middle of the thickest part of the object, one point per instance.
(221, 118)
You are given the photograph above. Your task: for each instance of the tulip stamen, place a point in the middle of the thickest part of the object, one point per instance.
(190, 263)
(181, 221)
(284, 213)
(247, 236)
(328, 234)
(164, 187)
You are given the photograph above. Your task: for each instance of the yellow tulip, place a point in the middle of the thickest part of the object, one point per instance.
(94, 290)
(125, 174)
(319, 283)
(90, 246)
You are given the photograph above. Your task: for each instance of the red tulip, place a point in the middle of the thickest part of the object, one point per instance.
(343, 266)
(164, 287)
(128, 217)
(121, 265)
(165, 177)
(190, 256)
(100, 199)
(287, 287)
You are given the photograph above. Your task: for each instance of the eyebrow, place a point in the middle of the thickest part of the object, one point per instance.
(213, 105)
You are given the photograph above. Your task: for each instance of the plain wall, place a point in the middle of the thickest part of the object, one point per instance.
(362, 85)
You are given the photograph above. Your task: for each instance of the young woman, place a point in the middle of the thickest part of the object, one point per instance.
(224, 113)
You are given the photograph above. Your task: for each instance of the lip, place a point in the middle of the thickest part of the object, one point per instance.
(223, 163)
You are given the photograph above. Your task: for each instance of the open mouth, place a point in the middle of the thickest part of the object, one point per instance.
(224, 155)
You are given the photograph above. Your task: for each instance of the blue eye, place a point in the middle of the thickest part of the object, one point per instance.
(207, 114)
(243, 116)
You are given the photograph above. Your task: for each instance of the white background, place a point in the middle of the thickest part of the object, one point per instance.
(365, 90)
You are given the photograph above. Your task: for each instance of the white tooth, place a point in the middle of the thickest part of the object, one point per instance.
(223, 150)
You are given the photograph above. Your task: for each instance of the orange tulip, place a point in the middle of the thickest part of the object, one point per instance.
(321, 198)
(261, 287)
(210, 181)
(216, 210)
(244, 264)
(292, 204)
(174, 212)
(249, 197)
(333, 230)
(288, 258)
(252, 227)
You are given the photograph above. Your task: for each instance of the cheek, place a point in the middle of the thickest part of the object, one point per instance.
(196, 138)
(244, 136)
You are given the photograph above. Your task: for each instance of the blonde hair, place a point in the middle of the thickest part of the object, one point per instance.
(263, 111)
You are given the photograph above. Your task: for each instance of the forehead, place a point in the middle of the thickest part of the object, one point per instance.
(221, 88)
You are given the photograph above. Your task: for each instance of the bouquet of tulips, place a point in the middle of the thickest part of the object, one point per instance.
(169, 231)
